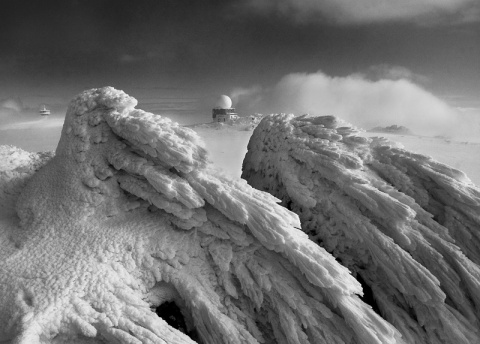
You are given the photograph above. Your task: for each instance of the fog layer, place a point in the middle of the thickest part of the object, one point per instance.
(364, 103)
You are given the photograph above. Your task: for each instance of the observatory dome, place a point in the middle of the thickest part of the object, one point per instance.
(223, 102)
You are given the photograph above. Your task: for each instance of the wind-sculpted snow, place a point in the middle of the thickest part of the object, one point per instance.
(407, 226)
(129, 215)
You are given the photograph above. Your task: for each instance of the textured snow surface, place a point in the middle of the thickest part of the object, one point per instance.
(407, 227)
(129, 214)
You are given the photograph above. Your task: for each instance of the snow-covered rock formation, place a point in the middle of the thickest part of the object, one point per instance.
(407, 226)
(392, 129)
(129, 215)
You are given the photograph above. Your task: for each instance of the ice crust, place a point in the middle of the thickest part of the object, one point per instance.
(129, 214)
(407, 227)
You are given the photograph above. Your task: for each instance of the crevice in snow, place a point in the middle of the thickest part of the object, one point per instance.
(171, 313)
(368, 296)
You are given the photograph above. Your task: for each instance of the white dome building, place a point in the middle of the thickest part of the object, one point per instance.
(223, 110)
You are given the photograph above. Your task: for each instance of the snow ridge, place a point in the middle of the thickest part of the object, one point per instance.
(129, 214)
(407, 226)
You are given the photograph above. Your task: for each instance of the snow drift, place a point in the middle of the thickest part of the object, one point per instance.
(129, 215)
(407, 226)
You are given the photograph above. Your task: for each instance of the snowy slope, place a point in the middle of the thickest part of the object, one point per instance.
(408, 227)
(226, 146)
(461, 154)
(41, 134)
(129, 214)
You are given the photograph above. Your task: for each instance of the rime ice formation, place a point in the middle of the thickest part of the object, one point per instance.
(129, 215)
(407, 226)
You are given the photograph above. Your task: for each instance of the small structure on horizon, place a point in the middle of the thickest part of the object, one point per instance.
(223, 110)
(44, 111)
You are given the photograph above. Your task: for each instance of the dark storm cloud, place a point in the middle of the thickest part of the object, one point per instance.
(191, 40)
(170, 35)
(47, 38)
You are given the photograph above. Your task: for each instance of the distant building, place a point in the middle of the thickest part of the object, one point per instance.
(223, 115)
(223, 110)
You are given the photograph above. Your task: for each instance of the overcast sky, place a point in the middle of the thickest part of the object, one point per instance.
(174, 56)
